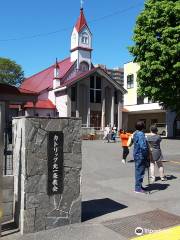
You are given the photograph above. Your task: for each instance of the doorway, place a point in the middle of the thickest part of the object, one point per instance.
(95, 119)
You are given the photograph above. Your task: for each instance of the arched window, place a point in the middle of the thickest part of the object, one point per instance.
(84, 66)
(84, 38)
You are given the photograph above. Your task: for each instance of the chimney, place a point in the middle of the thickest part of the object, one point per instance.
(56, 80)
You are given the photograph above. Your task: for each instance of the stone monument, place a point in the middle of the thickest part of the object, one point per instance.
(47, 162)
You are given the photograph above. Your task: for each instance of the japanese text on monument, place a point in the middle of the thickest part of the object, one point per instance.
(55, 162)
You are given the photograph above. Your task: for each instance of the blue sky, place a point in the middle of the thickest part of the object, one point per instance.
(21, 22)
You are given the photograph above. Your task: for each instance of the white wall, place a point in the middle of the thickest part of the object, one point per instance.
(61, 104)
(74, 38)
(52, 97)
(143, 107)
(131, 97)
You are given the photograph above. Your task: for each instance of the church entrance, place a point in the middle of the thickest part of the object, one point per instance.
(95, 119)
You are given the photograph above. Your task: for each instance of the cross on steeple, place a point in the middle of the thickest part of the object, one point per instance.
(81, 2)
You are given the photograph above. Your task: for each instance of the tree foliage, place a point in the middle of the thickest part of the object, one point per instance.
(10, 72)
(157, 50)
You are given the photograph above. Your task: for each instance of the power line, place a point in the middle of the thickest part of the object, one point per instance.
(119, 11)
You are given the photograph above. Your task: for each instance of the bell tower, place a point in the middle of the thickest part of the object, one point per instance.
(81, 44)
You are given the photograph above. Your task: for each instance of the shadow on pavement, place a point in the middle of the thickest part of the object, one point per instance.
(98, 207)
(156, 187)
(169, 177)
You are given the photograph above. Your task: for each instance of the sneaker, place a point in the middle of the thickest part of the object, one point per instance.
(123, 161)
(164, 178)
(140, 191)
(152, 179)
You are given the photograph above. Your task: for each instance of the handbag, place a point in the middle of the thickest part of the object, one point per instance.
(130, 141)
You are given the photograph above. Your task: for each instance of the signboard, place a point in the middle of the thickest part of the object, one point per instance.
(55, 162)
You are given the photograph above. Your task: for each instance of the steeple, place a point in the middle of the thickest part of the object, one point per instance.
(81, 43)
(81, 22)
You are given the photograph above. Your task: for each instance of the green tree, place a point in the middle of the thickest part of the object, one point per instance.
(10, 72)
(157, 50)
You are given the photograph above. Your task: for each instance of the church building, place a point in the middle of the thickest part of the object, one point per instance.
(73, 87)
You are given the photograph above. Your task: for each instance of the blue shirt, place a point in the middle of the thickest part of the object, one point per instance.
(140, 145)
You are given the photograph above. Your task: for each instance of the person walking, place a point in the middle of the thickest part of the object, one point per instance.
(140, 155)
(114, 132)
(154, 141)
(124, 136)
(107, 133)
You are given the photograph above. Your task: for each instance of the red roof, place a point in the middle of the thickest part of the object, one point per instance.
(41, 104)
(81, 22)
(44, 79)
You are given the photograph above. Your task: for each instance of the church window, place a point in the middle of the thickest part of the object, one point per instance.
(84, 38)
(95, 89)
(98, 82)
(115, 97)
(73, 94)
(130, 81)
(84, 66)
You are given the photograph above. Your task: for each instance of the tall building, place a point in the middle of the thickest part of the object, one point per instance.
(116, 74)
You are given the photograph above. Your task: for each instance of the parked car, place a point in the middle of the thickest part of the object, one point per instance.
(161, 128)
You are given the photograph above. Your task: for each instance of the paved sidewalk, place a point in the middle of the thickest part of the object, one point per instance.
(108, 192)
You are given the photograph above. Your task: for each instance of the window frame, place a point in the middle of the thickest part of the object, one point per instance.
(85, 38)
(95, 93)
(130, 81)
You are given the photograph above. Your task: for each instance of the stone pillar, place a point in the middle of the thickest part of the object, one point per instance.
(103, 110)
(77, 100)
(120, 108)
(37, 207)
(2, 125)
(69, 102)
(112, 107)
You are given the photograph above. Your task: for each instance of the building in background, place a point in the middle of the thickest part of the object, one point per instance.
(139, 108)
(116, 74)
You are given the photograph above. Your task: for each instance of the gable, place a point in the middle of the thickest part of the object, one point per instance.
(84, 75)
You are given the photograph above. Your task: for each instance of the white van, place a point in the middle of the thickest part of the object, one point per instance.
(161, 129)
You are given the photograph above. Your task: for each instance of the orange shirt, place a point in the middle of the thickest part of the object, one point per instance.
(124, 138)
